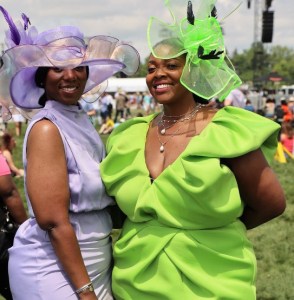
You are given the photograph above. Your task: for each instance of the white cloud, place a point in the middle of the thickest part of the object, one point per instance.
(128, 19)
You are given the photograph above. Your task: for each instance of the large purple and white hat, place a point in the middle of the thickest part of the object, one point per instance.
(61, 47)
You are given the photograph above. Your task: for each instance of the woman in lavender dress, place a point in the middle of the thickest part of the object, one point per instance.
(64, 250)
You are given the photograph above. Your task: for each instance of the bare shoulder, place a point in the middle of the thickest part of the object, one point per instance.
(43, 129)
(44, 135)
(6, 153)
(44, 126)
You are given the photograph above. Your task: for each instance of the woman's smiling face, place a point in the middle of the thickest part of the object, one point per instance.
(163, 79)
(66, 85)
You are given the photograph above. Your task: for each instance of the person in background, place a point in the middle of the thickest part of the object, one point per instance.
(7, 145)
(93, 101)
(128, 113)
(235, 98)
(89, 109)
(286, 136)
(249, 106)
(139, 99)
(147, 99)
(120, 104)
(18, 120)
(269, 109)
(291, 107)
(64, 250)
(288, 116)
(106, 102)
(107, 127)
(9, 198)
(190, 179)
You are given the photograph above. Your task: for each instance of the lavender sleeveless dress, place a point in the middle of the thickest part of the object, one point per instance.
(34, 269)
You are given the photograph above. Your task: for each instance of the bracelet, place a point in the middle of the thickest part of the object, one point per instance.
(85, 288)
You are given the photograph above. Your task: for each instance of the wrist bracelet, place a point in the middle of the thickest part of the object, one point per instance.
(85, 288)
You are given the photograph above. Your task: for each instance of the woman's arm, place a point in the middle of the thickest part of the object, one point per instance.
(48, 189)
(259, 188)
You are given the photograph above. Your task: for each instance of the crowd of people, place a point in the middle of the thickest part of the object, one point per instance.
(111, 109)
(180, 225)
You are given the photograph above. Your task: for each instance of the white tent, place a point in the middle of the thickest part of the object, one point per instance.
(129, 85)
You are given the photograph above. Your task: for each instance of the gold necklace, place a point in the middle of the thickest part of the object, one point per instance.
(185, 117)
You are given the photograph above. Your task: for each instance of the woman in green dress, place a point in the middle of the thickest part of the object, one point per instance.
(190, 179)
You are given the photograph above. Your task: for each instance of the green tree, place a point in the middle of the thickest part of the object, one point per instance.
(282, 61)
(255, 64)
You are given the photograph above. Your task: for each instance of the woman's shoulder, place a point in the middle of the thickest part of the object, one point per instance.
(233, 132)
(44, 137)
(6, 153)
(43, 129)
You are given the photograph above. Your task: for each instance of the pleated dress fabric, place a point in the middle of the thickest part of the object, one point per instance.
(182, 238)
(34, 269)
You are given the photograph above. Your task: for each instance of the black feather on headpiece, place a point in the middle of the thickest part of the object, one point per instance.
(190, 14)
(211, 55)
(214, 12)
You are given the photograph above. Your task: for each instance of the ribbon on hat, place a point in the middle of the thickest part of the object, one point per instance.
(200, 38)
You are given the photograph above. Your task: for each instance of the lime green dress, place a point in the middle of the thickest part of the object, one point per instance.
(182, 238)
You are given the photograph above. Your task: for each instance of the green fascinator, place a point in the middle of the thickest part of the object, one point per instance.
(199, 36)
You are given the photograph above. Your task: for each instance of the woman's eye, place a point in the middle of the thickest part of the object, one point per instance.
(57, 70)
(151, 70)
(172, 66)
(80, 68)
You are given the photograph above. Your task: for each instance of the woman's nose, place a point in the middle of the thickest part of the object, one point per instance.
(159, 72)
(69, 74)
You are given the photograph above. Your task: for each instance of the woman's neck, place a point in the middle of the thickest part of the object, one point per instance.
(178, 110)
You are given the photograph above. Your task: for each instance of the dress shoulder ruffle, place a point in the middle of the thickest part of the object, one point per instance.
(231, 133)
(234, 132)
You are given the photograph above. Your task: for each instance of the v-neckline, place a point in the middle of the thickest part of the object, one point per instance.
(148, 123)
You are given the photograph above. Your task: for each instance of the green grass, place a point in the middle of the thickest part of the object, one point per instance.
(273, 241)
(274, 245)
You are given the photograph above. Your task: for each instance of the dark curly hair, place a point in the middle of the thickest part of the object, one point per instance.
(5, 140)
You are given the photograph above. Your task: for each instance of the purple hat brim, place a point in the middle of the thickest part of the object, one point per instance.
(104, 56)
(26, 94)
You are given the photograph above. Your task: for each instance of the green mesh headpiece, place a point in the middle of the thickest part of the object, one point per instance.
(200, 37)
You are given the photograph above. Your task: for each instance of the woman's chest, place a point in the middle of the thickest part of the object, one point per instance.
(162, 150)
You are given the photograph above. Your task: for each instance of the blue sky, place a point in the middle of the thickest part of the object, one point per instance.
(128, 19)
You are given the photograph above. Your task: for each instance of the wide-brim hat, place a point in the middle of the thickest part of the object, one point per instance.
(61, 47)
(64, 47)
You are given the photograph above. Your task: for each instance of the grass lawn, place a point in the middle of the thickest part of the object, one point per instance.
(273, 241)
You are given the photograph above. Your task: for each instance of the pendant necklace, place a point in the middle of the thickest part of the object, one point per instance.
(162, 144)
(182, 119)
